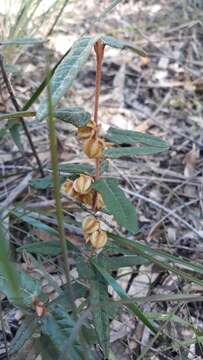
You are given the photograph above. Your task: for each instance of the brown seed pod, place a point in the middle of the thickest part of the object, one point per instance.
(67, 188)
(82, 184)
(87, 131)
(99, 202)
(98, 239)
(90, 224)
(94, 147)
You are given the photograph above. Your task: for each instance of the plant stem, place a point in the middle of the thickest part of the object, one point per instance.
(59, 214)
(17, 107)
(59, 210)
(99, 50)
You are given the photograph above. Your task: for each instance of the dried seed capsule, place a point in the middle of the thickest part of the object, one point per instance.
(67, 188)
(98, 239)
(94, 147)
(90, 224)
(87, 131)
(82, 184)
(99, 202)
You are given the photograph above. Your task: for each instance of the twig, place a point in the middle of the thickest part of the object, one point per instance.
(168, 211)
(57, 18)
(15, 192)
(17, 107)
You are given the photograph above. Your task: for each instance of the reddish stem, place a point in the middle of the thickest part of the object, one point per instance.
(99, 50)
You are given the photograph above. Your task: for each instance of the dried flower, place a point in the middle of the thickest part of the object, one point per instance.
(87, 131)
(90, 224)
(82, 184)
(99, 202)
(67, 188)
(94, 147)
(98, 239)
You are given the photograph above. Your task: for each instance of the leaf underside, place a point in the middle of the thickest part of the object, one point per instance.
(116, 202)
(73, 115)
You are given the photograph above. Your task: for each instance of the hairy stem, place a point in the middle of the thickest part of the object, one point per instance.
(17, 107)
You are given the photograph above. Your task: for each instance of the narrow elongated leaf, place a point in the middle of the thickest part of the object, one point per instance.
(99, 295)
(24, 333)
(22, 41)
(17, 115)
(67, 71)
(73, 115)
(190, 265)
(121, 44)
(135, 247)
(33, 221)
(6, 267)
(116, 262)
(123, 295)
(120, 136)
(119, 152)
(77, 168)
(42, 183)
(116, 202)
(51, 248)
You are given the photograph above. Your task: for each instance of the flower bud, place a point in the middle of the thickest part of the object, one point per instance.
(94, 147)
(82, 184)
(67, 188)
(98, 239)
(87, 131)
(90, 224)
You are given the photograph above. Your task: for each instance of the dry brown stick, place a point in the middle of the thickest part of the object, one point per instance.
(168, 211)
(15, 192)
(17, 107)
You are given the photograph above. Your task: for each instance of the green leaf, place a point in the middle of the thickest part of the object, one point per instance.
(143, 250)
(122, 44)
(123, 295)
(27, 288)
(42, 183)
(67, 71)
(79, 291)
(16, 115)
(98, 296)
(14, 128)
(116, 202)
(119, 152)
(120, 136)
(33, 221)
(58, 326)
(51, 248)
(8, 271)
(22, 41)
(73, 115)
(77, 168)
(117, 262)
(24, 333)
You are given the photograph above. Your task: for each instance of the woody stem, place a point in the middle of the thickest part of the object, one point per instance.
(99, 50)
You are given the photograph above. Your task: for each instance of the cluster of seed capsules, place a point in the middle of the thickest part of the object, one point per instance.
(81, 188)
